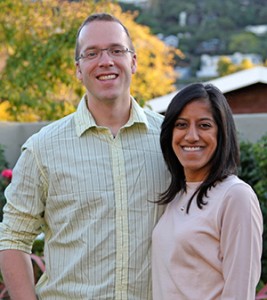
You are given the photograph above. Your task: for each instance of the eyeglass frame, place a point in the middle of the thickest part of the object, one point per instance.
(100, 50)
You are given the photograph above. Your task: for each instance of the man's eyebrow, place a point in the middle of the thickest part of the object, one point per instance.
(110, 45)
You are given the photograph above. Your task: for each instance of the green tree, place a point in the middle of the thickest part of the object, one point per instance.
(245, 42)
(206, 19)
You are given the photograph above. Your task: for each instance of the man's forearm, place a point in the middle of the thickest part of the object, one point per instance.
(17, 271)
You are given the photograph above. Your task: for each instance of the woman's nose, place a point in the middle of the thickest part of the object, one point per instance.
(192, 134)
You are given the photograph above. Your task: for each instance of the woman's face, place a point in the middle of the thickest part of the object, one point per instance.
(194, 139)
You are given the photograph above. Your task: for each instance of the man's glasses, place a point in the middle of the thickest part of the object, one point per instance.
(113, 51)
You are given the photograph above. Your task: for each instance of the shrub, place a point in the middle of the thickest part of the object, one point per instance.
(260, 150)
(253, 170)
(5, 178)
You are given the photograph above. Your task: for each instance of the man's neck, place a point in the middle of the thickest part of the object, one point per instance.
(110, 114)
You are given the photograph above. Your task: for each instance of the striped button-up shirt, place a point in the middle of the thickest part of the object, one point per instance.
(91, 194)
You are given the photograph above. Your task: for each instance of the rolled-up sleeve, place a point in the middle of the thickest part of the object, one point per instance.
(24, 210)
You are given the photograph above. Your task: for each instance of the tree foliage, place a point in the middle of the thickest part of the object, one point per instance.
(226, 67)
(37, 40)
(246, 42)
(208, 19)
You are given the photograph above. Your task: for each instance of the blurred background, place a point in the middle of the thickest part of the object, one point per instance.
(177, 42)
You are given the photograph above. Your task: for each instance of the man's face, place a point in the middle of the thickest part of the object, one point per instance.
(106, 78)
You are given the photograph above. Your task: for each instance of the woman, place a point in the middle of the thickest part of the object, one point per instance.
(208, 243)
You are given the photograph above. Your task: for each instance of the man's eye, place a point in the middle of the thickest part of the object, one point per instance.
(116, 51)
(91, 54)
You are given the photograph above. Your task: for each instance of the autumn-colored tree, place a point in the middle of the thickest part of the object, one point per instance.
(38, 78)
(226, 67)
(155, 74)
(37, 38)
(246, 64)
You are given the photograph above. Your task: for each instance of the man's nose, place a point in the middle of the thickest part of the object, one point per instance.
(105, 58)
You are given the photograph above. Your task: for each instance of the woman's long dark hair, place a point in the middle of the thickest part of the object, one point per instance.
(225, 159)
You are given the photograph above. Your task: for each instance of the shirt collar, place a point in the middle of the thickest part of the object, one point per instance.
(84, 119)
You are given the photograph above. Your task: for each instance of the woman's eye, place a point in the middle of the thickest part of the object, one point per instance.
(205, 125)
(180, 125)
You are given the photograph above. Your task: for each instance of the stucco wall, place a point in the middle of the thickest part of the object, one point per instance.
(251, 127)
(12, 135)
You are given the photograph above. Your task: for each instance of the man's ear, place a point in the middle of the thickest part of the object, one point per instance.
(78, 71)
(134, 64)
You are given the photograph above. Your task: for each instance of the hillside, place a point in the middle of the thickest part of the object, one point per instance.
(214, 27)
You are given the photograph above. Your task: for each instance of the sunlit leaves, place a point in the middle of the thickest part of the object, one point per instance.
(226, 66)
(37, 40)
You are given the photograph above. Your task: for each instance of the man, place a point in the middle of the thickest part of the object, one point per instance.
(88, 181)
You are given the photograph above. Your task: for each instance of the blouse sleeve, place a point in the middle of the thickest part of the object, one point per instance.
(241, 242)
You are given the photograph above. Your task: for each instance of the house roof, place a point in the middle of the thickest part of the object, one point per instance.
(226, 84)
